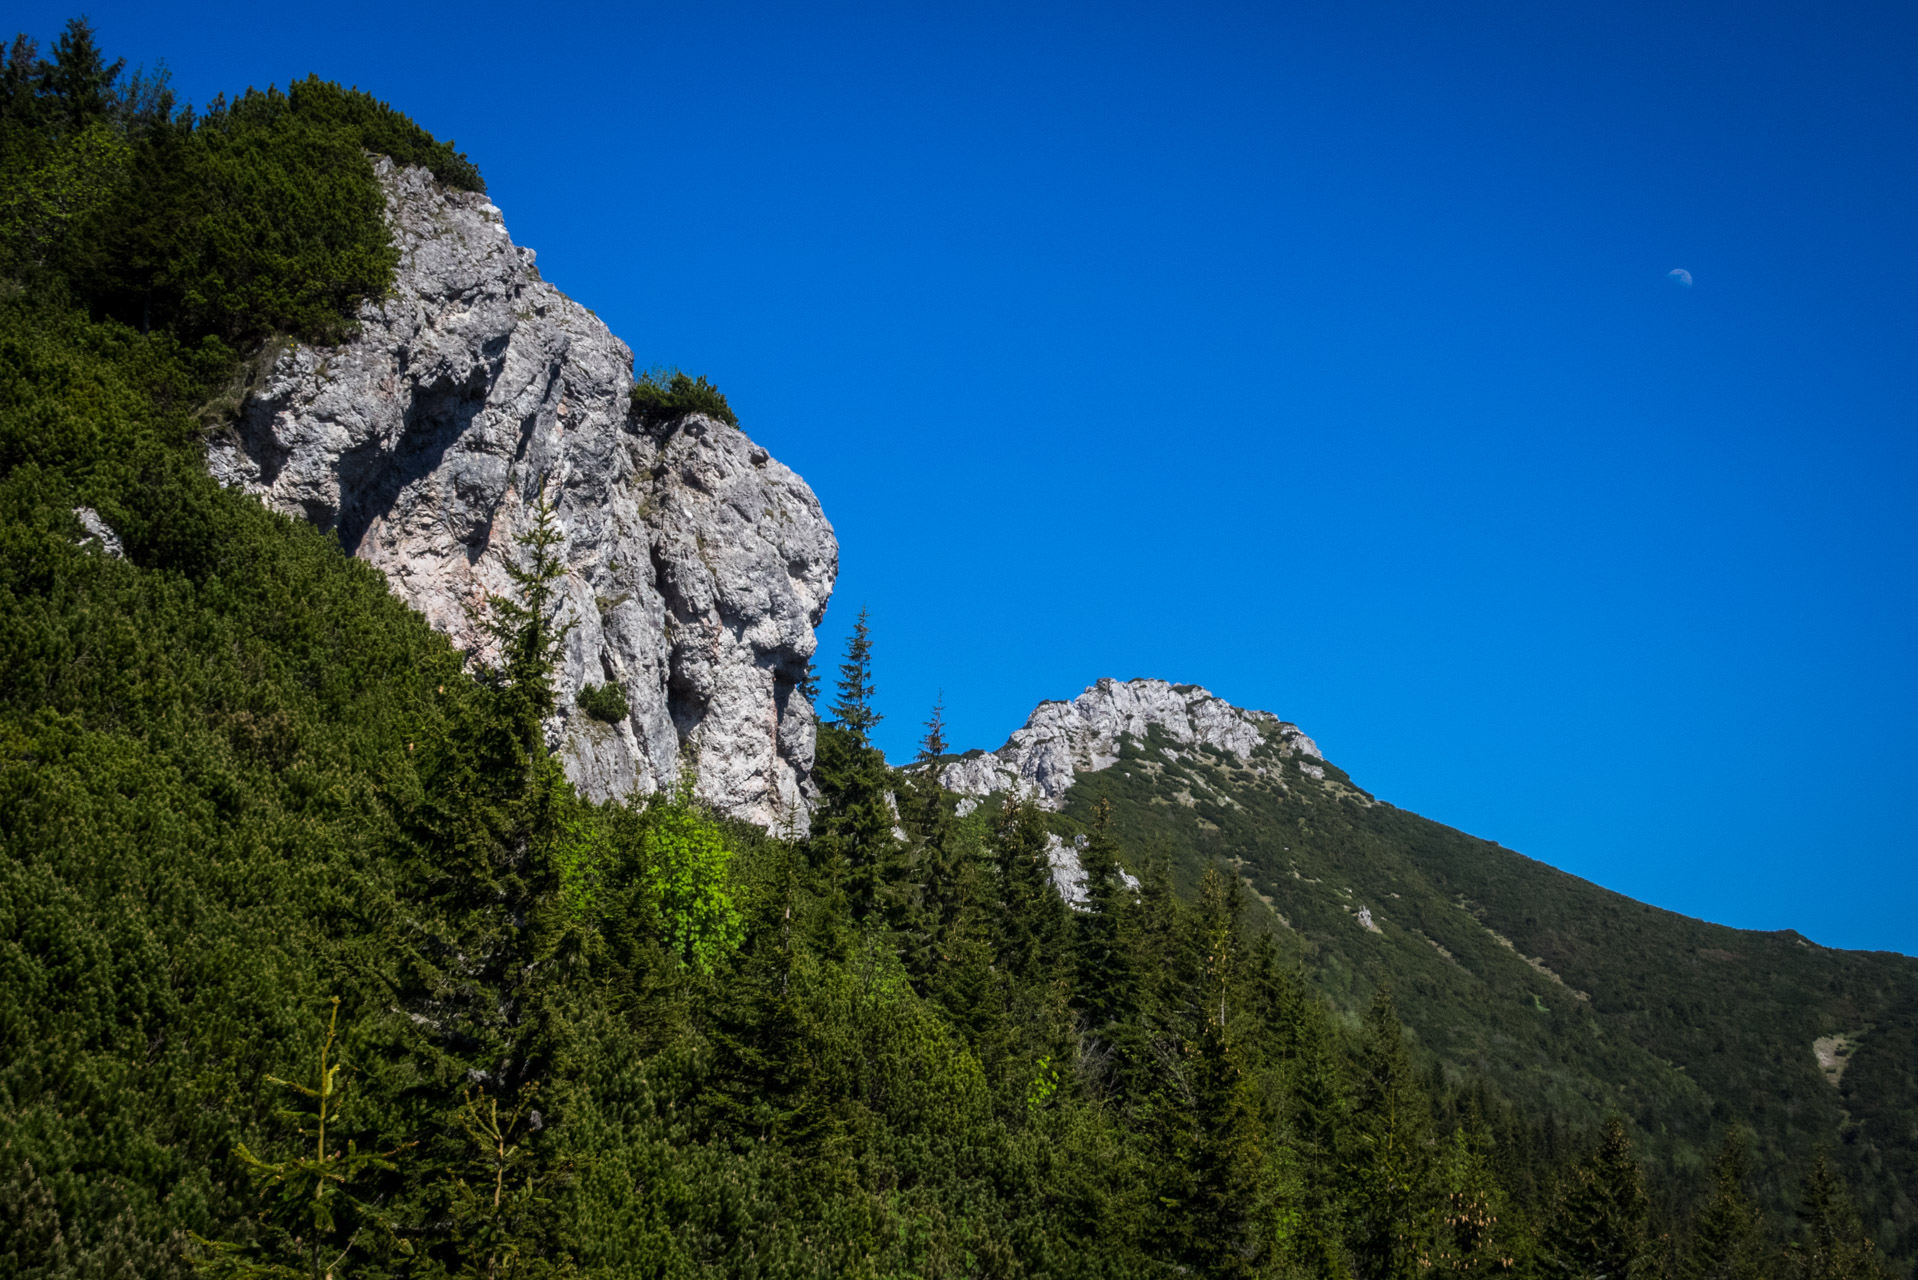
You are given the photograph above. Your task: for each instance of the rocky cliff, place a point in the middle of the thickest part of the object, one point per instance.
(1061, 740)
(697, 565)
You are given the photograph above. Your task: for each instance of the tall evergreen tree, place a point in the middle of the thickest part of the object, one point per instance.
(853, 830)
(526, 623)
(1390, 1155)
(1829, 1244)
(1597, 1230)
(1165, 951)
(935, 882)
(1314, 1111)
(1031, 923)
(79, 80)
(853, 709)
(1478, 1234)
(1107, 990)
(1219, 1210)
(1728, 1235)
(490, 941)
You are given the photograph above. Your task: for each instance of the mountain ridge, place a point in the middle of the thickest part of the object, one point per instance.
(1573, 997)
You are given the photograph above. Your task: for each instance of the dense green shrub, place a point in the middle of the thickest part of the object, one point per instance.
(382, 130)
(662, 397)
(605, 702)
(258, 215)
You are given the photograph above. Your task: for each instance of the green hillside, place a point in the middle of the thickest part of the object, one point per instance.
(1574, 999)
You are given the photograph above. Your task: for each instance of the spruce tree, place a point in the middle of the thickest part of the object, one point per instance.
(79, 79)
(1728, 1236)
(1031, 923)
(1597, 1230)
(853, 710)
(1829, 1243)
(487, 938)
(1315, 1110)
(1219, 1210)
(1164, 947)
(1107, 990)
(853, 838)
(1390, 1156)
(1478, 1233)
(526, 623)
(931, 884)
(322, 1211)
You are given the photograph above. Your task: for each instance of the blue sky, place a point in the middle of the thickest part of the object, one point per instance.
(1326, 356)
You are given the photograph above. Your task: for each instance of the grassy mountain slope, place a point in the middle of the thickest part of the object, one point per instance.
(1573, 998)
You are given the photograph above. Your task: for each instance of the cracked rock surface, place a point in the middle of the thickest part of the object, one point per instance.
(698, 566)
(1061, 740)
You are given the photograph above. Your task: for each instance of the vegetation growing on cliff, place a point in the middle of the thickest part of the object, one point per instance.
(662, 397)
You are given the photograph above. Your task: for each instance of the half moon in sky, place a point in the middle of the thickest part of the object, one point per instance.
(1680, 277)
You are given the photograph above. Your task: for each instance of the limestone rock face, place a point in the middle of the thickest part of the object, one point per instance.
(1069, 872)
(698, 566)
(1061, 740)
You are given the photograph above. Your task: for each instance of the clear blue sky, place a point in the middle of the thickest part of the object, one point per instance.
(1323, 355)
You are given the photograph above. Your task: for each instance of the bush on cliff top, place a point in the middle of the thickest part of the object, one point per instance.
(662, 397)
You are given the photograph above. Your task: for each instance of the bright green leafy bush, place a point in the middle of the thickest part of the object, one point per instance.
(687, 863)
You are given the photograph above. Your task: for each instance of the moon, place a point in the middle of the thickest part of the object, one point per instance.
(1680, 277)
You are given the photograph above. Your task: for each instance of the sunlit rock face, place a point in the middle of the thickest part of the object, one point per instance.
(697, 565)
(1061, 740)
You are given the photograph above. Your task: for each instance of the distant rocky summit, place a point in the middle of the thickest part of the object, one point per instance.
(1061, 740)
(698, 565)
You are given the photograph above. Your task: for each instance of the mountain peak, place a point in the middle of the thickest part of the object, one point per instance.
(1062, 739)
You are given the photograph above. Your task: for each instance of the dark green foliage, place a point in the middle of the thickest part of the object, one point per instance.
(1729, 1240)
(317, 1219)
(1880, 1092)
(853, 711)
(661, 397)
(940, 904)
(1394, 1207)
(1030, 925)
(1218, 1203)
(1829, 1243)
(604, 702)
(527, 624)
(1598, 1224)
(853, 828)
(383, 131)
(1108, 981)
(259, 216)
(1479, 1231)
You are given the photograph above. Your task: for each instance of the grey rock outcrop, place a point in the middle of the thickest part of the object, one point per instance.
(1061, 740)
(1069, 873)
(99, 533)
(697, 565)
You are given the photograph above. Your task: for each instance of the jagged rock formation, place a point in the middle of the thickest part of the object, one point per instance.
(1061, 740)
(697, 565)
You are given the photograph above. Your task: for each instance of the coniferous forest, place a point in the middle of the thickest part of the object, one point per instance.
(312, 963)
